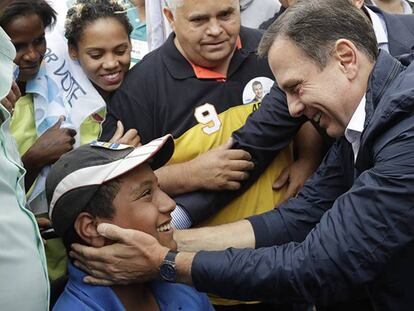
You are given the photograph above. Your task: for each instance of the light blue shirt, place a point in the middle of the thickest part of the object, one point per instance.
(169, 296)
(24, 281)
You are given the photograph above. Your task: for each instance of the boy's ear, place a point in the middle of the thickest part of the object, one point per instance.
(85, 226)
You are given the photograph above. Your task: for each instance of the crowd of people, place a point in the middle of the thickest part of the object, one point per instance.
(207, 155)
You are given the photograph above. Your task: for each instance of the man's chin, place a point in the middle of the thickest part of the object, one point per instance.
(335, 133)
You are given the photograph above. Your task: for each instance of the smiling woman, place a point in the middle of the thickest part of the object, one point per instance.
(42, 120)
(98, 37)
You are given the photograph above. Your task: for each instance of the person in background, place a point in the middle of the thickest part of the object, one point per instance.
(26, 22)
(393, 6)
(137, 18)
(217, 61)
(346, 241)
(255, 12)
(42, 143)
(23, 268)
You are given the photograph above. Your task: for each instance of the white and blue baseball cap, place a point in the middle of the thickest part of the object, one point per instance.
(75, 178)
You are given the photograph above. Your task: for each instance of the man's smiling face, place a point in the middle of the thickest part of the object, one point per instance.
(318, 93)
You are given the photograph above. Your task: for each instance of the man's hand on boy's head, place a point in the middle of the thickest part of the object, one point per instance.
(134, 257)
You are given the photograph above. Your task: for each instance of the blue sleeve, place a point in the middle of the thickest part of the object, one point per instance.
(267, 131)
(355, 240)
(293, 220)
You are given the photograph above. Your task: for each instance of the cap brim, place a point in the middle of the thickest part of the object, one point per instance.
(159, 151)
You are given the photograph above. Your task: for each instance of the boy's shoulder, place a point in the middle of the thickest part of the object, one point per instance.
(174, 296)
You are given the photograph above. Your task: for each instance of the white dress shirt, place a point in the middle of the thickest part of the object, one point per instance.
(355, 127)
(380, 29)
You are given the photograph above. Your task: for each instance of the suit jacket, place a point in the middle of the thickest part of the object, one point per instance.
(353, 222)
(270, 129)
(400, 30)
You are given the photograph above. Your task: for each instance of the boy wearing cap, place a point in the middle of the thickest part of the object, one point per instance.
(113, 183)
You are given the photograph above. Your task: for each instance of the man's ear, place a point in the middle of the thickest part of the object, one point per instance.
(169, 16)
(345, 52)
(358, 3)
(73, 52)
(85, 226)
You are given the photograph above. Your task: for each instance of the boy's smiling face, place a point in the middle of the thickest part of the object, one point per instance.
(140, 204)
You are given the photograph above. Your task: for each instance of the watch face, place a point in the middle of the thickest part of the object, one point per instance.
(167, 271)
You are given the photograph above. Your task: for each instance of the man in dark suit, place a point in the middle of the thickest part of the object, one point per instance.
(270, 128)
(400, 30)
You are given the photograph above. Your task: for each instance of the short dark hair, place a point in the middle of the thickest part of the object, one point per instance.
(23, 7)
(315, 25)
(101, 205)
(85, 12)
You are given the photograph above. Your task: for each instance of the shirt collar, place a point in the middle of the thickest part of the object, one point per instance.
(380, 29)
(205, 73)
(356, 124)
(406, 7)
(178, 66)
(103, 296)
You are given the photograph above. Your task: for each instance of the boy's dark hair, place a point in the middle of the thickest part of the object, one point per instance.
(24, 7)
(101, 205)
(85, 12)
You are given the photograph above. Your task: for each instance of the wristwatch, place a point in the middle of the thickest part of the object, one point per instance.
(167, 268)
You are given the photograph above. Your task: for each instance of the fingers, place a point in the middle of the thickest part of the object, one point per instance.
(83, 253)
(282, 179)
(58, 123)
(227, 145)
(43, 222)
(97, 271)
(16, 90)
(241, 165)
(136, 141)
(7, 104)
(10, 100)
(111, 232)
(70, 132)
(292, 190)
(237, 154)
(118, 132)
(231, 185)
(131, 138)
(97, 281)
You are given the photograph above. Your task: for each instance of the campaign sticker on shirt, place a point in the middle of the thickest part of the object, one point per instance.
(256, 89)
(110, 146)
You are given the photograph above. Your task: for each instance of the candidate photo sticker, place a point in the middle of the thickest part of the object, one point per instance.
(256, 89)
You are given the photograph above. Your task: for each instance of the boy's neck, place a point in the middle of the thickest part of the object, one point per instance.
(136, 297)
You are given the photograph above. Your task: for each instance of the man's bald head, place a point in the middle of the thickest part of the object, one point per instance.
(206, 31)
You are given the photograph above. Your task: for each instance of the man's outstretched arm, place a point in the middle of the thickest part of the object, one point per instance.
(267, 131)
